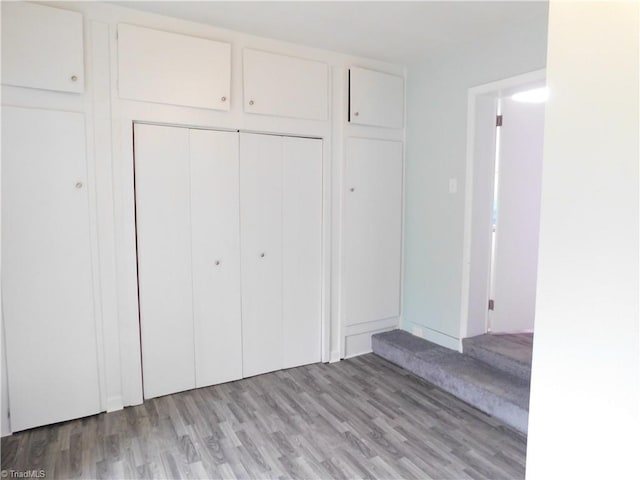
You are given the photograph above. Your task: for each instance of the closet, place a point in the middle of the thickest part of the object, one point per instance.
(229, 254)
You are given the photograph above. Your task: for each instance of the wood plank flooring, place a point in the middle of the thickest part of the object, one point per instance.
(359, 418)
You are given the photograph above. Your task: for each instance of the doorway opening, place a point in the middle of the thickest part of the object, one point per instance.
(498, 273)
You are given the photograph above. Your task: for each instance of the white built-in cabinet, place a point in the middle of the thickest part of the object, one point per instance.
(42, 47)
(375, 98)
(229, 230)
(285, 86)
(229, 225)
(163, 67)
(372, 230)
(47, 279)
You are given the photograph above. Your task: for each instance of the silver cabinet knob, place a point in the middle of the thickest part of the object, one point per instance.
(352, 189)
(251, 102)
(355, 114)
(224, 99)
(262, 255)
(217, 262)
(78, 184)
(74, 78)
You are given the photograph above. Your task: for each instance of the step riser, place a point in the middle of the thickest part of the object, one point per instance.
(431, 371)
(498, 361)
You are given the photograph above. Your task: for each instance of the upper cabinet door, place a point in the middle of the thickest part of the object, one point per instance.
(162, 67)
(285, 86)
(375, 98)
(42, 47)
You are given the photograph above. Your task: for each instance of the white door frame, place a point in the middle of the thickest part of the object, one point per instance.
(479, 179)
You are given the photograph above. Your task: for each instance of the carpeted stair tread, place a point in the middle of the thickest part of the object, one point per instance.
(510, 353)
(493, 391)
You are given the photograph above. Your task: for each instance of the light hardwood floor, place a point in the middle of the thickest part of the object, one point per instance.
(359, 418)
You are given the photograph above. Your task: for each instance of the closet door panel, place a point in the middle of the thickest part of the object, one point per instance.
(47, 289)
(216, 256)
(302, 250)
(162, 184)
(261, 247)
(372, 230)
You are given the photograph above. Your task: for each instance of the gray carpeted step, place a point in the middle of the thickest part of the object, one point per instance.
(493, 391)
(510, 353)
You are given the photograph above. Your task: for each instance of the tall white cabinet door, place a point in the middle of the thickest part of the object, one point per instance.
(163, 217)
(47, 288)
(372, 230)
(261, 247)
(216, 256)
(301, 250)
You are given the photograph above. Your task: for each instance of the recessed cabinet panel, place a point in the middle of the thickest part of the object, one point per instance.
(285, 86)
(163, 67)
(215, 253)
(42, 47)
(47, 289)
(302, 250)
(376, 98)
(372, 230)
(164, 258)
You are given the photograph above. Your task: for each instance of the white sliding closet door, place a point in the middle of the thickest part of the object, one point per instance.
(47, 288)
(216, 256)
(302, 250)
(163, 218)
(261, 229)
(281, 235)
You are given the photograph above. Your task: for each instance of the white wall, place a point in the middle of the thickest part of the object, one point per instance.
(584, 420)
(436, 136)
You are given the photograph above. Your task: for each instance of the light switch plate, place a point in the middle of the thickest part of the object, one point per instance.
(453, 185)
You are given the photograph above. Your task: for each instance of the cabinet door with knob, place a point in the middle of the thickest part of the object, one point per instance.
(47, 289)
(376, 98)
(42, 47)
(152, 64)
(285, 86)
(372, 230)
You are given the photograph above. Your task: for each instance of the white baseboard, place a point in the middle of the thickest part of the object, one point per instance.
(434, 336)
(334, 356)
